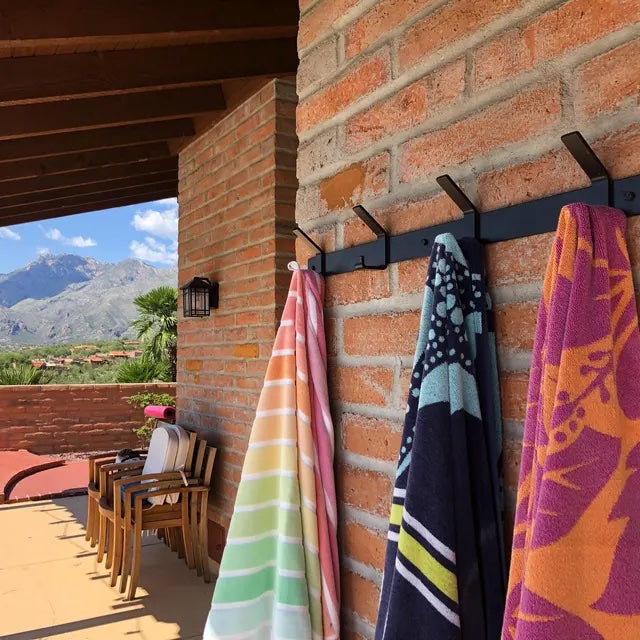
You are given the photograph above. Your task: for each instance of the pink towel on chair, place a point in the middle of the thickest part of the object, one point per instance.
(162, 413)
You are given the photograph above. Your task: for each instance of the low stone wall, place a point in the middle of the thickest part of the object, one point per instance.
(56, 418)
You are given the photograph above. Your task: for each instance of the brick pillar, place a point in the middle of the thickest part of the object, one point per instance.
(237, 185)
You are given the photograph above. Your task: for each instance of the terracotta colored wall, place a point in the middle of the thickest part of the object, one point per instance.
(237, 189)
(56, 418)
(392, 94)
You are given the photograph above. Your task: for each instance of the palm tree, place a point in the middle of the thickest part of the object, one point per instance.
(157, 325)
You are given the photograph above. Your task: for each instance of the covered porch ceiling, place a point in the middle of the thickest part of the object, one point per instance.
(97, 98)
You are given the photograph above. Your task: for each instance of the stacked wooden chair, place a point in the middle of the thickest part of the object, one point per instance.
(166, 493)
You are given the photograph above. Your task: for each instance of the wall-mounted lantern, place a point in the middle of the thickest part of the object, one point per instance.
(198, 297)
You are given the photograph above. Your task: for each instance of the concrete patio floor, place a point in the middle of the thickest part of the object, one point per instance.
(52, 587)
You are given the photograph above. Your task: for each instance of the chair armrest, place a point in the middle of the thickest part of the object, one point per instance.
(168, 491)
(119, 466)
(144, 479)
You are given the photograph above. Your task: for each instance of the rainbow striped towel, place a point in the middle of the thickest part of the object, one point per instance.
(279, 571)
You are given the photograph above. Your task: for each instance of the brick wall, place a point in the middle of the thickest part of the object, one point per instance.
(392, 94)
(57, 418)
(237, 187)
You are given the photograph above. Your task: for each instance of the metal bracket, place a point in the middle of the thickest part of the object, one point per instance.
(318, 268)
(460, 199)
(589, 162)
(380, 246)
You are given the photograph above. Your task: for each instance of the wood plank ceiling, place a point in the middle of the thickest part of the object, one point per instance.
(97, 98)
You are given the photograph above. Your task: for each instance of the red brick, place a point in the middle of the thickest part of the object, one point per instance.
(371, 437)
(318, 23)
(620, 152)
(366, 490)
(408, 107)
(357, 82)
(412, 275)
(356, 183)
(362, 385)
(529, 113)
(518, 261)
(616, 75)
(360, 596)
(454, 21)
(364, 545)
(357, 286)
(553, 173)
(500, 59)
(513, 393)
(331, 328)
(576, 23)
(515, 325)
(402, 217)
(385, 16)
(511, 454)
(400, 330)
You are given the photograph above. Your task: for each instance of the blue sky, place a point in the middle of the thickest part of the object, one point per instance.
(146, 231)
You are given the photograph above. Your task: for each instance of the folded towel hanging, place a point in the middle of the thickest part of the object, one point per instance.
(444, 574)
(576, 548)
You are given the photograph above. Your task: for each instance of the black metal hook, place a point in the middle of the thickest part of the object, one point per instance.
(382, 235)
(299, 233)
(589, 162)
(460, 199)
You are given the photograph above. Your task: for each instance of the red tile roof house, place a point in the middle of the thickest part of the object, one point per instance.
(281, 115)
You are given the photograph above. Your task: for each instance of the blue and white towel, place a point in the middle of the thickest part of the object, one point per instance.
(444, 574)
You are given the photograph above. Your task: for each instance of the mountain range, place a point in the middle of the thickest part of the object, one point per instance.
(59, 299)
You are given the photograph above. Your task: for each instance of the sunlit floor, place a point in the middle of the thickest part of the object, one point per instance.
(52, 587)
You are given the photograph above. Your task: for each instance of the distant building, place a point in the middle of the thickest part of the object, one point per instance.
(38, 364)
(95, 360)
(84, 346)
(118, 354)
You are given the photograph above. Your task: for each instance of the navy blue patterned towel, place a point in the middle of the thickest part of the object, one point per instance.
(444, 574)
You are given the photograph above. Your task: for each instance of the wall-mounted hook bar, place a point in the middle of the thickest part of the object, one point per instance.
(369, 220)
(508, 223)
(461, 200)
(319, 268)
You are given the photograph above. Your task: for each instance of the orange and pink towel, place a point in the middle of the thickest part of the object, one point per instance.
(575, 569)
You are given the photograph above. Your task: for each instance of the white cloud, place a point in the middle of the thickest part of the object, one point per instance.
(74, 241)
(159, 223)
(151, 250)
(43, 251)
(6, 233)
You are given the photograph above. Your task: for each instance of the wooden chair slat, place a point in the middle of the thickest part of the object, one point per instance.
(202, 447)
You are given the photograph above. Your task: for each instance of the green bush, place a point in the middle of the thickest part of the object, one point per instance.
(143, 400)
(144, 369)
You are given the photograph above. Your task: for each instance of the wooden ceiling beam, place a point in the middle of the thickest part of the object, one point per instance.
(94, 139)
(88, 176)
(90, 113)
(42, 22)
(107, 186)
(37, 78)
(72, 162)
(80, 199)
(91, 205)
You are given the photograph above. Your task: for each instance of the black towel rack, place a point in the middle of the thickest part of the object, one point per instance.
(516, 221)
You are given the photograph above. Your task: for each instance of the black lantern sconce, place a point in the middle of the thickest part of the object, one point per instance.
(198, 297)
